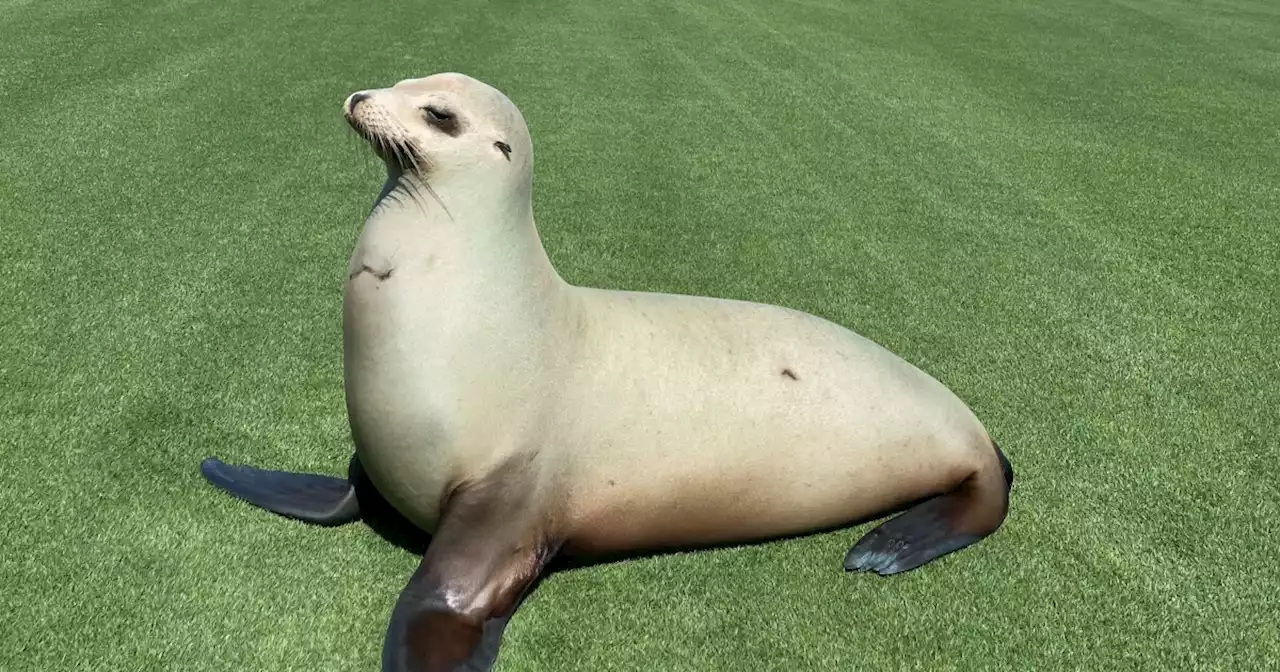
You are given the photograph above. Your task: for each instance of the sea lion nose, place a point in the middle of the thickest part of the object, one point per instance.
(355, 100)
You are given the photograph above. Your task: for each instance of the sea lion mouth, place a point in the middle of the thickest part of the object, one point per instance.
(398, 153)
(373, 124)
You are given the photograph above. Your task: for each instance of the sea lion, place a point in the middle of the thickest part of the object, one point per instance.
(519, 418)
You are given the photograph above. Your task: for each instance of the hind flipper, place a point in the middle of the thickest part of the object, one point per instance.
(909, 540)
(313, 498)
(937, 526)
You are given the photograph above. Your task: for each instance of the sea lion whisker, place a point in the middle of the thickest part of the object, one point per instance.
(415, 158)
(403, 186)
(426, 185)
(407, 162)
(421, 174)
(412, 189)
(397, 154)
(406, 155)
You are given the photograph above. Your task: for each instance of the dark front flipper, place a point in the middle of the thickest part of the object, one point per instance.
(485, 556)
(322, 500)
(937, 526)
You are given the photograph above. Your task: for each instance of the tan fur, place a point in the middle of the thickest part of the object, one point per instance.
(639, 420)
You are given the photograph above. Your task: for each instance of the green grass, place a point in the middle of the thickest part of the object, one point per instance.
(1065, 211)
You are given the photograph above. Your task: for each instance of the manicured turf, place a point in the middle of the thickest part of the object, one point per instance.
(1066, 211)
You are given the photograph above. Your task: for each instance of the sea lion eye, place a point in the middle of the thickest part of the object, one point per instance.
(443, 120)
(436, 115)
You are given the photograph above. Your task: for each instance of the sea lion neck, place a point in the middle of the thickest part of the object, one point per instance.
(465, 232)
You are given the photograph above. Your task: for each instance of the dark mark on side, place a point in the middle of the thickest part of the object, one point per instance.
(788, 373)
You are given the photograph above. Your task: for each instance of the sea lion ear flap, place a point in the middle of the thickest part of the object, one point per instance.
(504, 148)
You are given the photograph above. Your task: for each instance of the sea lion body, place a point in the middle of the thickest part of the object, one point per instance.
(664, 420)
(517, 417)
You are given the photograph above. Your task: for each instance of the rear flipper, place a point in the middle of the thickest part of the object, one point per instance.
(313, 498)
(937, 526)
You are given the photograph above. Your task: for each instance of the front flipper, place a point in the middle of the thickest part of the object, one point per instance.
(486, 555)
(313, 498)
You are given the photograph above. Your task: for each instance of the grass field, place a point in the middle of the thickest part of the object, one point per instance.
(1065, 211)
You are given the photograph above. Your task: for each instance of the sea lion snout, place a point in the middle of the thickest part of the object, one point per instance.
(368, 114)
(353, 100)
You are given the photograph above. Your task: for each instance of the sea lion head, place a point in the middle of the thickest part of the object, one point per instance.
(447, 129)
